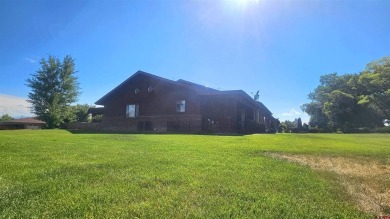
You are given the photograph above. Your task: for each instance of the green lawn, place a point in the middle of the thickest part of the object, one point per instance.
(57, 174)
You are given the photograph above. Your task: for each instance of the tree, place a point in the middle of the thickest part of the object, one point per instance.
(6, 117)
(317, 117)
(305, 127)
(299, 123)
(287, 126)
(77, 113)
(375, 86)
(339, 108)
(53, 88)
(350, 101)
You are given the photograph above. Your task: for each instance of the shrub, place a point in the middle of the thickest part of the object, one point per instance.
(97, 118)
(385, 129)
(312, 130)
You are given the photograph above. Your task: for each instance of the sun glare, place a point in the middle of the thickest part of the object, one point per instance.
(243, 4)
(246, 2)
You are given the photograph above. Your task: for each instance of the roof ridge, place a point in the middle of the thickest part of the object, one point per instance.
(182, 81)
(128, 79)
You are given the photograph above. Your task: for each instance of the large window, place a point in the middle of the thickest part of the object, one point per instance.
(181, 106)
(132, 110)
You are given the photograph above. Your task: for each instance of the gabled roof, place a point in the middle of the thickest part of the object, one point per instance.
(200, 89)
(197, 88)
(23, 121)
(263, 107)
(139, 72)
(248, 98)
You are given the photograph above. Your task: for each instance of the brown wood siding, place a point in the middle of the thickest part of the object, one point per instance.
(189, 124)
(160, 102)
(219, 114)
(205, 110)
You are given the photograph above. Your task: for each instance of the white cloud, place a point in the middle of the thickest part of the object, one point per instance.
(292, 112)
(14, 106)
(31, 60)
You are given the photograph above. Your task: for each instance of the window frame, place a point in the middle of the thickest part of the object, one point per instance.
(181, 106)
(129, 113)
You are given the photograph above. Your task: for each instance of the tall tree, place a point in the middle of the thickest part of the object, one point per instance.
(317, 117)
(350, 101)
(299, 123)
(53, 88)
(375, 85)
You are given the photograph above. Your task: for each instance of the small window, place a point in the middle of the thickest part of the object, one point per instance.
(257, 116)
(181, 106)
(132, 110)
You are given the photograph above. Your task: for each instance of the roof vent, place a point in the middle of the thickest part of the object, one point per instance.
(136, 91)
(150, 89)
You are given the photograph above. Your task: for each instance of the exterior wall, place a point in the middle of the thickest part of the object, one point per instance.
(191, 123)
(32, 126)
(160, 124)
(251, 119)
(157, 109)
(160, 102)
(231, 114)
(20, 126)
(219, 114)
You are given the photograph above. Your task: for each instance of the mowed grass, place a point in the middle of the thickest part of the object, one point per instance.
(57, 174)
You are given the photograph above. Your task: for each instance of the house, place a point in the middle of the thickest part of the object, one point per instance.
(24, 123)
(146, 102)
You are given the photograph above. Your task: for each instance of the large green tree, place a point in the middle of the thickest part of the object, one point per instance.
(374, 83)
(53, 88)
(6, 117)
(351, 101)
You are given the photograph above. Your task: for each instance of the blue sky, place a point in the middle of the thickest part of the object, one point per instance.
(280, 47)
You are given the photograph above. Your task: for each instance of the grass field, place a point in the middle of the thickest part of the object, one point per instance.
(57, 174)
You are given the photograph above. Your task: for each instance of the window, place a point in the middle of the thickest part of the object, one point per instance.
(132, 110)
(181, 106)
(257, 116)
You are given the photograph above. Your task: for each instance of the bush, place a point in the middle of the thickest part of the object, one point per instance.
(358, 130)
(385, 129)
(312, 130)
(324, 130)
(97, 118)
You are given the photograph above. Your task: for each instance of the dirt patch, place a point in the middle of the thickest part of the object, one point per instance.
(368, 182)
